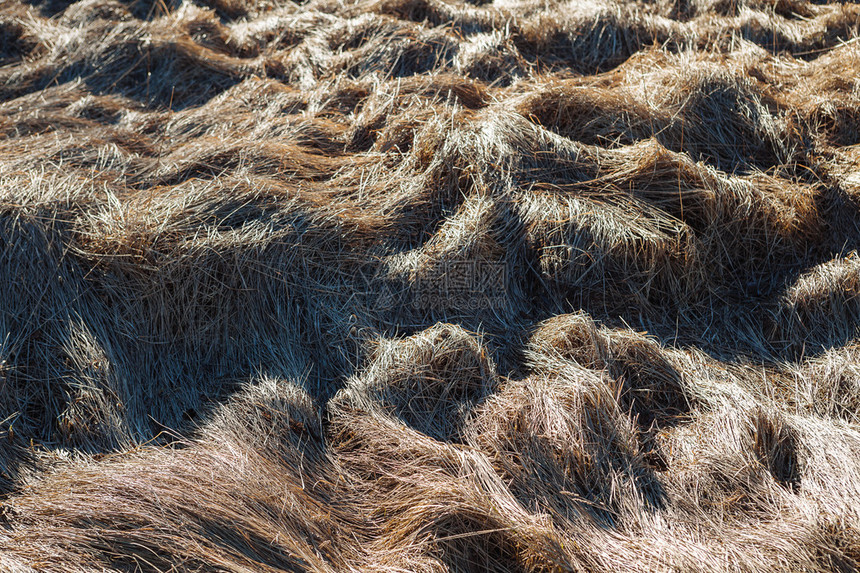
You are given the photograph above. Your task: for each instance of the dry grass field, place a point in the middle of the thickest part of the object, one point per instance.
(429, 285)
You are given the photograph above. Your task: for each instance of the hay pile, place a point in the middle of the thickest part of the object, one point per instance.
(429, 285)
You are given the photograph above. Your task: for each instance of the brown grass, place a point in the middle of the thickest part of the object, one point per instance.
(429, 285)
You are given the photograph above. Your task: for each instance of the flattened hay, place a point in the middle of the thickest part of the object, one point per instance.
(429, 285)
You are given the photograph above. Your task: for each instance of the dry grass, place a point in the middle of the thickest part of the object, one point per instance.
(429, 285)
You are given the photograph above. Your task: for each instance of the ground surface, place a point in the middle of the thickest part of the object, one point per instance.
(425, 285)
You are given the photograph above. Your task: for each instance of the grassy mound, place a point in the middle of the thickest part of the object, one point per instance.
(429, 285)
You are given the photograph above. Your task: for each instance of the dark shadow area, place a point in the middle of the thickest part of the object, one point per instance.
(13, 45)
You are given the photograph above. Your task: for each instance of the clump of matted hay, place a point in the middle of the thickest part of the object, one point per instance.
(608, 255)
(754, 463)
(16, 39)
(429, 382)
(593, 114)
(746, 455)
(41, 284)
(650, 382)
(591, 37)
(828, 385)
(251, 491)
(470, 269)
(463, 18)
(722, 118)
(438, 506)
(428, 285)
(741, 224)
(150, 63)
(651, 216)
(826, 96)
(556, 476)
(492, 57)
(396, 428)
(179, 280)
(725, 457)
(253, 249)
(564, 446)
(581, 245)
(733, 225)
(404, 51)
(393, 117)
(822, 307)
